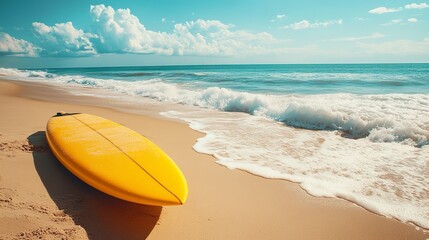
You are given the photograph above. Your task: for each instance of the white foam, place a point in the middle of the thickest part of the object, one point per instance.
(391, 179)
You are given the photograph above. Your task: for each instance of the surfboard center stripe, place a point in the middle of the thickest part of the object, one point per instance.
(128, 156)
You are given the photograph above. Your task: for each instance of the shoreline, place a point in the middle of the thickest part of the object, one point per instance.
(223, 203)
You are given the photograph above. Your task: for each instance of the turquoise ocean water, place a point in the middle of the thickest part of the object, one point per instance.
(354, 131)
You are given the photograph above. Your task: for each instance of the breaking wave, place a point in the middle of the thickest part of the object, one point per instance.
(380, 118)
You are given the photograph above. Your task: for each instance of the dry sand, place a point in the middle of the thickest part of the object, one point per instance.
(40, 199)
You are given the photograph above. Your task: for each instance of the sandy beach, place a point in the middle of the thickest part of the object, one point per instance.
(40, 199)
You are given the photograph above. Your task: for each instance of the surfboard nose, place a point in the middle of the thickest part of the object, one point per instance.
(181, 198)
(174, 201)
(176, 196)
(167, 198)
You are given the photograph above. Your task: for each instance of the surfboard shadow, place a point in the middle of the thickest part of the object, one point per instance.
(102, 216)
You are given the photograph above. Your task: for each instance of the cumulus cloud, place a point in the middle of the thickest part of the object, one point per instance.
(412, 20)
(120, 31)
(63, 39)
(382, 10)
(16, 47)
(416, 6)
(216, 38)
(306, 24)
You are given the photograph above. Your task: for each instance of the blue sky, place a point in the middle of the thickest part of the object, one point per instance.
(159, 32)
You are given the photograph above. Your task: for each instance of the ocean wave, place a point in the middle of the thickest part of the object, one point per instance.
(355, 115)
(380, 118)
(134, 74)
(302, 76)
(85, 82)
(13, 72)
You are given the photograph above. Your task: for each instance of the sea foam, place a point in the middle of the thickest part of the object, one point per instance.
(390, 179)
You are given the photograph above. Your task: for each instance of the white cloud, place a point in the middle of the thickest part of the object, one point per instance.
(382, 10)
(372, 36)
(212, 37)
(17, 47)
(63, 39)
(299, 25)
(394, 21)
(120, 31)
(278, 17)
(306, 24)
(416, 6)
(163, 20)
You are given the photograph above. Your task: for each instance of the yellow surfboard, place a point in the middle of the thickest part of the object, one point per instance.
(116, 160)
